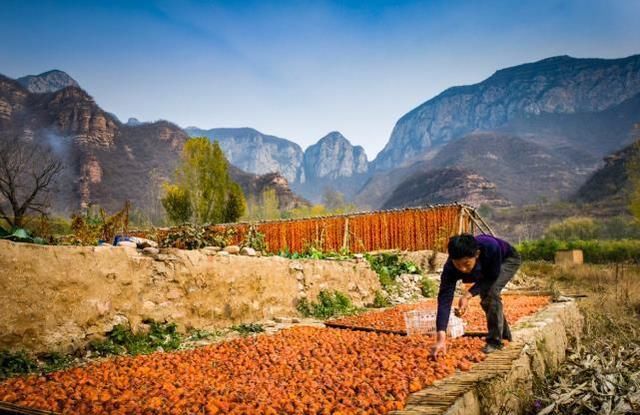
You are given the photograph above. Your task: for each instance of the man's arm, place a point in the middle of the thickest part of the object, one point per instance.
(445, 298)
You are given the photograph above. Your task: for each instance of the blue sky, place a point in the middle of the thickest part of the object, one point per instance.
(298, 69)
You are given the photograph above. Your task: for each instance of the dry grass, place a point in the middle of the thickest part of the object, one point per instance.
(601, 374)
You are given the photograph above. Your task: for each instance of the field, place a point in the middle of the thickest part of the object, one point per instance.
(302, 370)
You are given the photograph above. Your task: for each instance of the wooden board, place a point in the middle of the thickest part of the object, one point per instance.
(385, 331)
(7, 408)
(437, 399)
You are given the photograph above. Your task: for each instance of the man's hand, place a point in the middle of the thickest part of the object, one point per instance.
(463, 304)
(440, 348)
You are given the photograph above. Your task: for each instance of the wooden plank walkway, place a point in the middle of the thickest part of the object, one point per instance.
(11, 409)
(437, 399)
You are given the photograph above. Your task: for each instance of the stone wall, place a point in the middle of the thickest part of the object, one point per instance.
(55, 298)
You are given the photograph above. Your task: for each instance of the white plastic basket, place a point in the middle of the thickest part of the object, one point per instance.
(456, 326)
(423, 322)
(420, 322)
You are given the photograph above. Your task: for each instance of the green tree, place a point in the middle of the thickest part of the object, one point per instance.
(270, 208)
(335, 202)
(177, 203)
(236, 204)
(332, 199)
(306, 212)
(265, 208)
(575, 228)
(203, 174)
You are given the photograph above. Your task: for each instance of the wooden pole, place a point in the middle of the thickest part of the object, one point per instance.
(345, 237)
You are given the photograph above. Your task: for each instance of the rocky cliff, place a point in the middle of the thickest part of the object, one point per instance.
(254, 184)
(522, 171)
(334, 157)
(107, 162)
(255, 152)
(50, 81)
(558, 85)
(610, 184)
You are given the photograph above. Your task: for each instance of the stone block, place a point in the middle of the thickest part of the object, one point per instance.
(571, 257)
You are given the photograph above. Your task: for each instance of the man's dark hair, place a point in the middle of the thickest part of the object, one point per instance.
(462, 246)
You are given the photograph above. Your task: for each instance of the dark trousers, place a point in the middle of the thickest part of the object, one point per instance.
(491, 301)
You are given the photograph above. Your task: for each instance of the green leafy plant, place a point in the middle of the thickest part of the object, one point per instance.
(329, 304)
(121, 340)
(189, 236)
(389, 267)
(380, 300)
(247, 329)
(255, 240)
(314, 253)
(55, 361)
(17, 363)
(198, 334)
(428, 287)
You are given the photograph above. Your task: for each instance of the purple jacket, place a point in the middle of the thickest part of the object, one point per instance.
(493, 251)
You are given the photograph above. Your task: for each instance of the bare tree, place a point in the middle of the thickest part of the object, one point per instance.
(27, 174)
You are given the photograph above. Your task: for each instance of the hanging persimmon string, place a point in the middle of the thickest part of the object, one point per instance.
(408, 229)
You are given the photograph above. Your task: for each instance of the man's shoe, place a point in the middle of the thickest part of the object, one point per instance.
(490, 348)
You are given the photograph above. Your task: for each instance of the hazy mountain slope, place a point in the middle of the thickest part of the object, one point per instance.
(445, 186)
(255, 152)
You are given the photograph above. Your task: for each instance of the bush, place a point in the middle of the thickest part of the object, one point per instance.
(586, 229)
(311, 252)
(95, 224)
(55, 361)
(189, 236)
(428, 287)
(255, 240)
(389, 267)
(595, 251)
(18, 363)
(121, 340)
(330, 304)
(381, 300)
(576, 228)
(247, 329)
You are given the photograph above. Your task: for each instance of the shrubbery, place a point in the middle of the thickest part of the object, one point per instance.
(389, 267)
(330, 304)
(429, 288)
(595, 251)
(121, 340)
(586, 229)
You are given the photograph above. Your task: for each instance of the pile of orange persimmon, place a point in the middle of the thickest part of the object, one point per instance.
(515, 308)
(303, 370)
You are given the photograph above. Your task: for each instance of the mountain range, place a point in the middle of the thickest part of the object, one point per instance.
(106, 162)
(333, 162)
(532, 132)
(536, 131)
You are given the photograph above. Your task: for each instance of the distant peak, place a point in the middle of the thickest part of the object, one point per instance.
(50, 81)
(557, 58)
(334, 136)
(51, 72)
